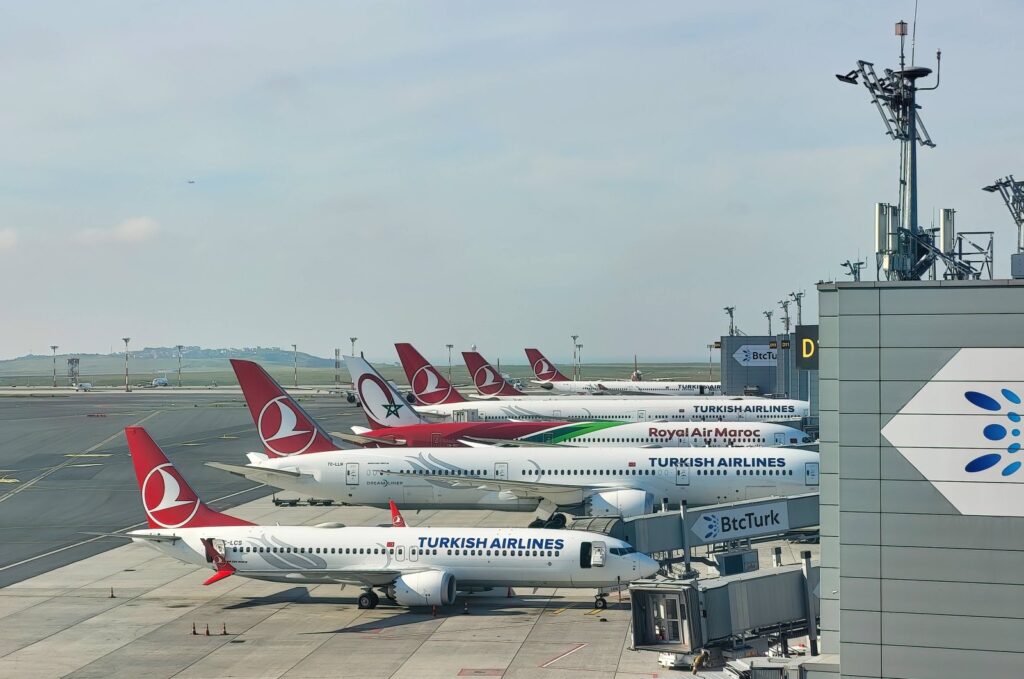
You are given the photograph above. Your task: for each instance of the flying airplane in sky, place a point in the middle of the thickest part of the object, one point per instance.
(412, 566)
(550, 377)
(437, 398)
(604, 481)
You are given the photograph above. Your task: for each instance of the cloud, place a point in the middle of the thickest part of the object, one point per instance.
(132, 230)
(8, 239)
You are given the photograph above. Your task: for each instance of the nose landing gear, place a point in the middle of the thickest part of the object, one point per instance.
(600, 602)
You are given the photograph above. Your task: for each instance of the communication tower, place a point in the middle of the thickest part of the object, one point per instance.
(784, 304)
(1012, 192)
(853, 268)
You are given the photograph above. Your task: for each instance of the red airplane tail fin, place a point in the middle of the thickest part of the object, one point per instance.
(544, 369)
(429, 386)
(488, 381)
(166, 496)
(284, 427)
(397, 520)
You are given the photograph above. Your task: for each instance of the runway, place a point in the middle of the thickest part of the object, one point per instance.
(65, 471)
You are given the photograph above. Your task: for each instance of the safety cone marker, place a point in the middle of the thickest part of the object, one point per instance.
(194, 629)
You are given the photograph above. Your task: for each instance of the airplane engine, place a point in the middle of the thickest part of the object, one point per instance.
(351, 398)
(429, 588)
(623, 503)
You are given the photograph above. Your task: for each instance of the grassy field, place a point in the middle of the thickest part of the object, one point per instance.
(109, 371)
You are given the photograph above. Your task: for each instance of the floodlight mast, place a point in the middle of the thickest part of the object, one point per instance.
(895, 97)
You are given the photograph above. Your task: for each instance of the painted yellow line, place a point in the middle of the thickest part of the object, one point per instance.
(558, 610)
(191, 443)
(8, 479)
(87, 464)
(228, 437)
(593, 612)
(88, 455)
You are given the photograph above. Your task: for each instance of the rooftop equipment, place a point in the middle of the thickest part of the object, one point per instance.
(1012, 192)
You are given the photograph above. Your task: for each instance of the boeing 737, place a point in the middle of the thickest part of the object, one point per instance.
(411, 566)
(549, 377)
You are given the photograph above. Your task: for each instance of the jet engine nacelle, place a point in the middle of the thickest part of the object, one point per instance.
(429, 588)
(351, 398)
(623, 503)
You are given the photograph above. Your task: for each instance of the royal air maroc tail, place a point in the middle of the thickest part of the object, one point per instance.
(428, 385)
(284, 427)
(544, 369)
(486, 378)
(413, 566)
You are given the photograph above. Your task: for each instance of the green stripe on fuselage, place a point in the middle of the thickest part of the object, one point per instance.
(568, 432)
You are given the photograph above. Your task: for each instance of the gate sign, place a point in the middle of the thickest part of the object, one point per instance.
(754, 355)
(722, 525)
(807, 347)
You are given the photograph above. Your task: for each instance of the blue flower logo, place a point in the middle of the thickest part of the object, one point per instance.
(710, 526)
(997, 431)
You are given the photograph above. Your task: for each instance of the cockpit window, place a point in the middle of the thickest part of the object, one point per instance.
(622, 551)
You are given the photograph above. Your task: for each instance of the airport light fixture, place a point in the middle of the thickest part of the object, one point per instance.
(53, 348)
(784, 304)
(450, 347)
(798, 298)
(353, 341)
(579, 353)
(711, 349)
(337, 367)
(574, 338)
(730, 310)
(295, 365)
(126, 340)
(768, 314)
(179, 347)
(853, 268)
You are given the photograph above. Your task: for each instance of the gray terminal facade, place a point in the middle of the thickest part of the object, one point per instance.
(922, 511)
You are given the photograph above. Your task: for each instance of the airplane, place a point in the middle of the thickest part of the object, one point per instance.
(550, 377)
(437, 398)
(487, 380)
(605, 481)
(394, 423)
(411, 566)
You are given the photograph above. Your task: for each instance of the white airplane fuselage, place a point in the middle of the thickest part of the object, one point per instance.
(643, 387)
(670, 435)
(606, 481)
(662, 409)
(476, 557)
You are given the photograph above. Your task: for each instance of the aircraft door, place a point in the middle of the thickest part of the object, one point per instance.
(435, 440)
(351, 473)
(598, 551)
(780, 439)
(641, 415)
(585, 551)
(682, 476)
(810, 473)
(556, 414)
(501, 470)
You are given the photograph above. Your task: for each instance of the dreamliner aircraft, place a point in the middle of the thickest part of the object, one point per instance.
(396, 423)
(411, 566)
(549, 377)
(436, 397)
(594, 481)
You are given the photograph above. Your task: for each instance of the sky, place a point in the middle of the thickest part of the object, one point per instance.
(498, 174)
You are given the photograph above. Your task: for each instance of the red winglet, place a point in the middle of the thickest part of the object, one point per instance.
(397, 520)
(224, 569)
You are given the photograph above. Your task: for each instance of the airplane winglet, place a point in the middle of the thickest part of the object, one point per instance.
(397, 520)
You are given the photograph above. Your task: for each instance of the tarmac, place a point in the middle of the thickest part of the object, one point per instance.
(84, 606)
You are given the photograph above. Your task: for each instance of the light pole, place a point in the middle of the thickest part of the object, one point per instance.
(295, 365)
(711, 348)
(579, 354)
(784, 304)
(798, 298)
(53, 348)
(353, 341)
(179, 348)
(449, 361)
(337, 368)
(126, 340)
(574, 338)
(768, 315)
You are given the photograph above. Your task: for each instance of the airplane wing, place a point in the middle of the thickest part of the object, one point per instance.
(255, 473)
(151, 537)
(556, 492)
(362, 439)
(478, 441)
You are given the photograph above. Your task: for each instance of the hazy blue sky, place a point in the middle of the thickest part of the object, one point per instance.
(503, 174)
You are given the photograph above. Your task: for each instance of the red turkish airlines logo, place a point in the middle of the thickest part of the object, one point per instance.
(397, 521)
(544, 371)
(486, 380)
(278, 424)
(166, 497)
(426, 382)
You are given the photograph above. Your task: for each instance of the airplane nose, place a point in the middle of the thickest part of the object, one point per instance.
(646, 566)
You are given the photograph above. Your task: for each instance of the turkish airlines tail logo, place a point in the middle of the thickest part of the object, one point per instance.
(487, 380)
(168, 500)
(543, 368)
(284, 427)
(427, 383)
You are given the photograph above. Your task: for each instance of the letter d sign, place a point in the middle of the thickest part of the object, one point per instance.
(807, 340)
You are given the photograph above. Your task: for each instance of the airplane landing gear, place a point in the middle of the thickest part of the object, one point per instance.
(368, 599)
(600, 602)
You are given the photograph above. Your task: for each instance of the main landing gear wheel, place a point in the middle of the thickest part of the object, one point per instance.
(368, 600)
(600, 603)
